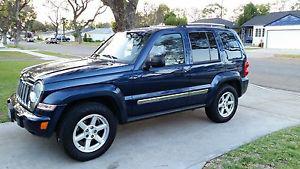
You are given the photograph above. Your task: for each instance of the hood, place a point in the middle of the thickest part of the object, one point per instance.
(66, 69)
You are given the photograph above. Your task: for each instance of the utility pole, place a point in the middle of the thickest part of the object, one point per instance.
(64, 23)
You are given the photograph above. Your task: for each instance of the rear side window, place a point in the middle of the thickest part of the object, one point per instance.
(231, 45)
(204, 47)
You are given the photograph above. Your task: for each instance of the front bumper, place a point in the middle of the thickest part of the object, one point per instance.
(25, 118)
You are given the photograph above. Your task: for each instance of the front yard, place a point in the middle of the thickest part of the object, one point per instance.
(278, 150)
(11, 63)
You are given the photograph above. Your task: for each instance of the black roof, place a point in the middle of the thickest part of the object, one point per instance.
(271, 17)
(227, 23)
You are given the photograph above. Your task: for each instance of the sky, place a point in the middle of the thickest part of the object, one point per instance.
(43, 10)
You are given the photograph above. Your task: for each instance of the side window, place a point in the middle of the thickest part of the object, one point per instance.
(171, 47)
(204, 47)
(200, 47)
(231, 45)
(214, 52)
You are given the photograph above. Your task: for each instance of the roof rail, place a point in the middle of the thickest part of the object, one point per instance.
(207, 24)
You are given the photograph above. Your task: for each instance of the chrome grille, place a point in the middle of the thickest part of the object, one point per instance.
(23, 92)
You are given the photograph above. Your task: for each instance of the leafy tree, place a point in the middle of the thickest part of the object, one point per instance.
(250, 10)
(151, 15)
(263, 9)
(5, 18)
(214, 11)
(124, 12)
(36, 26)
(172, 19)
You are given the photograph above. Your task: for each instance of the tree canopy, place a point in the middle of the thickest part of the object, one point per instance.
(250, 10)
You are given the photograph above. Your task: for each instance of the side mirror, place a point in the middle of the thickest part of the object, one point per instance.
(155, 61)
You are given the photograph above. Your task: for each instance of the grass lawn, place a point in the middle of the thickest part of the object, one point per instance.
(11, 64)
(277, 150)
(288, 56)
(55, 54)
(15, 56)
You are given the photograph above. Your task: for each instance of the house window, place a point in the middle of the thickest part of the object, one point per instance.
(256, 32)
(250, 32)
(263, 32)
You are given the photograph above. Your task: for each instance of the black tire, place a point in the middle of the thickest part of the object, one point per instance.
(65, 132)
(213, 112)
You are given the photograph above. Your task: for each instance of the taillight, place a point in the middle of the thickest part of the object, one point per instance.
(246, 68)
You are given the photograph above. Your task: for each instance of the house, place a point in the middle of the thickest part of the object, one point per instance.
(228, 24)
(274, 30)
(99, 34)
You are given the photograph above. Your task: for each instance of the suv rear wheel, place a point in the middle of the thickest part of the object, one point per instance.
(224, 105)
(88, 131)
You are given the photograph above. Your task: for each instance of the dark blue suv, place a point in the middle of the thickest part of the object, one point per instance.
(134, 75)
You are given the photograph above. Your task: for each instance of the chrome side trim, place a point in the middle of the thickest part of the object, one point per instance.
(172, 96)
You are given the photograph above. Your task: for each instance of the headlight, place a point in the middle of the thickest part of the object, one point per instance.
(35, 93)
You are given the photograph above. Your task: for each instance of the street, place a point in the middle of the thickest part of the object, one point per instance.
(177, 141)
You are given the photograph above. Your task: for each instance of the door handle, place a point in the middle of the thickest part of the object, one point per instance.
(134, 77)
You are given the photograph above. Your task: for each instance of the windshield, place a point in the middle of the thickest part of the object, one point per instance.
(122, 47)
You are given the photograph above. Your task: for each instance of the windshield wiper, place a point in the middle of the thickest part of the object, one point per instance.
(110, 56)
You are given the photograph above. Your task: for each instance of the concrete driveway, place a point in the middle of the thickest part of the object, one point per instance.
(177, 141)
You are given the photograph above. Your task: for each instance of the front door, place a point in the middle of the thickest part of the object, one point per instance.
(164, 87)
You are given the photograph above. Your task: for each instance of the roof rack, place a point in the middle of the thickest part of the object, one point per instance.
(207, 24)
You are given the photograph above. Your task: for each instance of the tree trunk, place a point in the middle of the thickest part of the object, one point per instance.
(78, 36)
(18, 24)
(4, 37)
(56, 32)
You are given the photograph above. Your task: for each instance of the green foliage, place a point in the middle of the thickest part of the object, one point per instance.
(114, 26)
(172, 19)
(250, 10)
(151, 15)
(36, 26)
(102, 25)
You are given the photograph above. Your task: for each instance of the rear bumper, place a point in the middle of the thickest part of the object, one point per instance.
(27, 119)
(244, 85)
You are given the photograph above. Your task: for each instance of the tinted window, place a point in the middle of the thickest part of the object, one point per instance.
(231, 45)
(200, 47)
(171, 47)
(214, 53)
(204, 47)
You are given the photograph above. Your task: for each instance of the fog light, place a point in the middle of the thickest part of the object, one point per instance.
(44, 125)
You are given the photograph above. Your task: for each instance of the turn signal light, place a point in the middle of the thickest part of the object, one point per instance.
(44, 125)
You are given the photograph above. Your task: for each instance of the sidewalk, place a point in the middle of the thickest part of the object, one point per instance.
(31, 52)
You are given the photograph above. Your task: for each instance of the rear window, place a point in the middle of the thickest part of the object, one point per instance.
(231, 45)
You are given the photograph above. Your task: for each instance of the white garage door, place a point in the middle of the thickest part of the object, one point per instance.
(283, 39)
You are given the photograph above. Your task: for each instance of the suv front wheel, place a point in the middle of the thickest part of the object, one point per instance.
(88, 131)
(224, 105)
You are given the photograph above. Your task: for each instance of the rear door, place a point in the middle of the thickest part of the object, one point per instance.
(205, 64)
